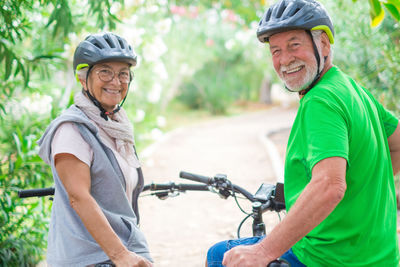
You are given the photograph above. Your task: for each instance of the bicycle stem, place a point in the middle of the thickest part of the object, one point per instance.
(258, 223)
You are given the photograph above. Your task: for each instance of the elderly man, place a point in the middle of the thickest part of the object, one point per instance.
(342, 153)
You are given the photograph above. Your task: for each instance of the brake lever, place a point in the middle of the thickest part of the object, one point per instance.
(224, 193)
(163, 195)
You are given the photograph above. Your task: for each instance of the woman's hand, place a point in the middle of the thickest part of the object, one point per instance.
(131, 259)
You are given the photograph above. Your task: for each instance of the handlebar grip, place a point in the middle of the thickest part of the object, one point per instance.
(158, 187)
(173, 186)
(196, 177)
(40, 192)
(192, 187)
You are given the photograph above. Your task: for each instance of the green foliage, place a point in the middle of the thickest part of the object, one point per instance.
(377, 11)
(370, 55)
(34, 43)
(393, 6)
(102, 11)
(246, 9)
(220, 82)
(22, 21)
(23, 223)
(224, 67)
(61, 17)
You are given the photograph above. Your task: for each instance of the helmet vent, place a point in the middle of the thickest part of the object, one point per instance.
(121, 44)
(109, 42)
(97, 45)
(281, 9)
(297, 10)
(268, 16)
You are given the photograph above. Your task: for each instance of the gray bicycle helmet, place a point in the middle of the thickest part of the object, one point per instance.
(288, 15)
(103, 47)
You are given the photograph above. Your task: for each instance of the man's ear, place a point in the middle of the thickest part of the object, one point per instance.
(325, 44)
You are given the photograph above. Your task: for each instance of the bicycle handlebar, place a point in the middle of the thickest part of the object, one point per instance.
(219, 181)
(39, 192)
(196, 178)
(172, 186)
(49, 191)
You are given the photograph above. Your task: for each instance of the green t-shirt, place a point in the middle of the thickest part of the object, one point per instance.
(339, 118)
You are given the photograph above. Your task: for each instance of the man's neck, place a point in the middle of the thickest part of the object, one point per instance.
(327, 67)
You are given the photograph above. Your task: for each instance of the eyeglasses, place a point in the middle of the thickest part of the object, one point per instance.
(107, 75)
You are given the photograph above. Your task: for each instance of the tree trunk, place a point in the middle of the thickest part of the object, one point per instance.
(265, 90)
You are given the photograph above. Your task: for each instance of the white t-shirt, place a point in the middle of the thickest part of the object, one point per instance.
(67, 139)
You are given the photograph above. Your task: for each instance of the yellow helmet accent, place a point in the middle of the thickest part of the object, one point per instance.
(327, 30)
(79, 67)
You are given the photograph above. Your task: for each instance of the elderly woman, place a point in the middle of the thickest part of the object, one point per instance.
(97, 174)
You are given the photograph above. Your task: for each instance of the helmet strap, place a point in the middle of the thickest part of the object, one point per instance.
(103, 113)
(319, 72)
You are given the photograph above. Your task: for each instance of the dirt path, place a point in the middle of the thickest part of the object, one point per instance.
(180, 230)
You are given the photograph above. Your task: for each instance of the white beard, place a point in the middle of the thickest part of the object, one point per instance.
(298, 84)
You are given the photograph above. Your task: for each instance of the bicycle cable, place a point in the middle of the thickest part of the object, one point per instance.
(237, 202)
(240, 225)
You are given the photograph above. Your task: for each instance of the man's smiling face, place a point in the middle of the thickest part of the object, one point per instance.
(293, 58)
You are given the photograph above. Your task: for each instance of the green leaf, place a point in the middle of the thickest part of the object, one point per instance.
(9, 59)
(393, 2)
(376, 8)
(3, 109)
(393, 10)
(25, 73)
(376, 12)
(17, 142)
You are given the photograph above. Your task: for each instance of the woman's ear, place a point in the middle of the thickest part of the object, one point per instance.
(82, 76)
(83, 83)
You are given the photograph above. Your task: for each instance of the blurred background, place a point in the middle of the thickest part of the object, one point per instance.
(197, 59)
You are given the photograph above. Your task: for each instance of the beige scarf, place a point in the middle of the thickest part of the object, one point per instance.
(119, 128)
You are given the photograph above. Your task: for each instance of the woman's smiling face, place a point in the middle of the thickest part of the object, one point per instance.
(109, 93)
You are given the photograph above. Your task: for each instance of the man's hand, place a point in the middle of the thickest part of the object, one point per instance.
(246, 256)
(131, 259)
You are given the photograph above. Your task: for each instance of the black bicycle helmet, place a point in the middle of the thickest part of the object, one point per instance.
(103, 47)
(286, 15)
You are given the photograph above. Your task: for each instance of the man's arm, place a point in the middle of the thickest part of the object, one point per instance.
(319, 198)
(75, 176)
(394, 147)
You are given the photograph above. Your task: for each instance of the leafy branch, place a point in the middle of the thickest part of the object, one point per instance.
(377, 10)
(19, 27)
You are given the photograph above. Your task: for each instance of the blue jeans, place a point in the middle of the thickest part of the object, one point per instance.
(215, 254)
